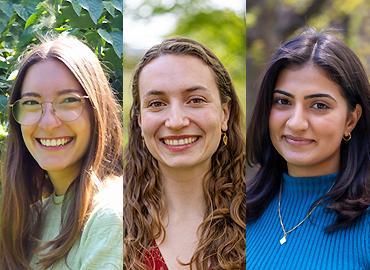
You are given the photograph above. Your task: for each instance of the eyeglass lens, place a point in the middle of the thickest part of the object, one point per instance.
(66, 107)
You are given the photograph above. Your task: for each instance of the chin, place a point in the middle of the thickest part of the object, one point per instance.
(50, 165)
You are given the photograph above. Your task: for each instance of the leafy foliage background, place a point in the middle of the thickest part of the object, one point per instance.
(220, 29)
(24, 22)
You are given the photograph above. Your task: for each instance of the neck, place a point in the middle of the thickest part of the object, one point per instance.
(306, 171)
(183, 191)
(62, 179)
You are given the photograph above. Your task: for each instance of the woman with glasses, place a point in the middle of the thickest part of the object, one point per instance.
(308, 204)
(61, 202)
(184, 199)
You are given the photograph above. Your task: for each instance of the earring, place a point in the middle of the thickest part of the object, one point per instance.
(224, 138)
(348, 137)
(143, 142)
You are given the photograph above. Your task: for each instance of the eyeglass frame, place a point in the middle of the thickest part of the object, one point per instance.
(42, 109)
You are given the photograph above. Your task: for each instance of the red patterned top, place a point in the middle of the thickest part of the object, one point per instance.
(154, 260)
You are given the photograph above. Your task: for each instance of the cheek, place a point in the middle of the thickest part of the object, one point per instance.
(27, 135)
(277, 120)
(150, 123)
(83, 129)
(330, 128)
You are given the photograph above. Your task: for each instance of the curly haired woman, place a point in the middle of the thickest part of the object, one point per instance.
(184, 177)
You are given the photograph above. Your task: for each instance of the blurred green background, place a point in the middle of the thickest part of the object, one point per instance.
(269, 23)
(24, 22)
(220, 27)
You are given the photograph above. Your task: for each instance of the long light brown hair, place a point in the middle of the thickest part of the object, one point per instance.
(222, 241)
(24, 182)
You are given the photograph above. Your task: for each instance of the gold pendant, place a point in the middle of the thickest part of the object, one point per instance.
(283, 240)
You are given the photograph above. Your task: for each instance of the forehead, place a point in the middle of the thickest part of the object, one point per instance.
(48, 78)
(173, 73)
(307, 79)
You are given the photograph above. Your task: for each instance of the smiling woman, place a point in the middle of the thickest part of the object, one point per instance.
(61, 202)
(310, 136)
(184, 176)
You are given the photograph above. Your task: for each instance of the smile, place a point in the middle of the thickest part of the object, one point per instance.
(180, 142)
(297, 140)
(55, 142)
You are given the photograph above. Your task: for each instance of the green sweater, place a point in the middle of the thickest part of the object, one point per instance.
(100, 245)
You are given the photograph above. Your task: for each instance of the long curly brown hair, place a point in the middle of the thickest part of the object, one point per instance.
(24, 183)
(222, 241)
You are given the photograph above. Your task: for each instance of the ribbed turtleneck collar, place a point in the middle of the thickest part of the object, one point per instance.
(313, 185)
(57, 200)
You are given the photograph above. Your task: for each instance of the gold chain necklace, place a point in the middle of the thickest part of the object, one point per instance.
(286, 232)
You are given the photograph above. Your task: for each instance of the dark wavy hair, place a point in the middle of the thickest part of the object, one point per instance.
(222, 232)
(349, 197)
(25, 183)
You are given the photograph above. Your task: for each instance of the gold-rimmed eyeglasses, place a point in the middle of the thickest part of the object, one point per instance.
(29, 110)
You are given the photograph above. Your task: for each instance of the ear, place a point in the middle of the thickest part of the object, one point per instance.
(225, 115)
(352, 119)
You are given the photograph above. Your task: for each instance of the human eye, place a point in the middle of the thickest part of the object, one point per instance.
(69, 99)
(29, 102)
(281, 101)
(320, 106)
(155, 104)
(197, 100)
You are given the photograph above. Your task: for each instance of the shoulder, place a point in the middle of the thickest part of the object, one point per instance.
(108, 204)
(110, 195)
(102, 236)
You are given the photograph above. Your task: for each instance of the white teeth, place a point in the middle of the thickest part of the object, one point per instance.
(54, 142)
(180, 141)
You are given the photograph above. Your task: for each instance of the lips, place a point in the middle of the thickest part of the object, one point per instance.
(179, 140)
(54, 142)
(297, 140)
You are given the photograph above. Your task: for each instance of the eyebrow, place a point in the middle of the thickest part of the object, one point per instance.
(60, 92)
(305, 97)
(190, 89)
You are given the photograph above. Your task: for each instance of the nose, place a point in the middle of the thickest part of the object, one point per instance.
(177, 118)
(49, 120)
(298, 119)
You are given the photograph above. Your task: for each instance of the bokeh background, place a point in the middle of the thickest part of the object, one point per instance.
(271, 22)
(220, 25)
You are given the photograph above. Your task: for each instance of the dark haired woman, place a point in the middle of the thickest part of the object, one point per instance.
(184, 201)
(61, 204)
(307, 206)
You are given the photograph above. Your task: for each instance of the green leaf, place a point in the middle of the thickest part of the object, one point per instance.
(93, 39)
(117, 38)
(109, 7)
(31, 20)
(24, 12)
(21, 11)
(76, 6)
(6, 8)
(117, 21)
(118, 4)
(83, 22)
(3, 23)
(94, 7)
(105, 35)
